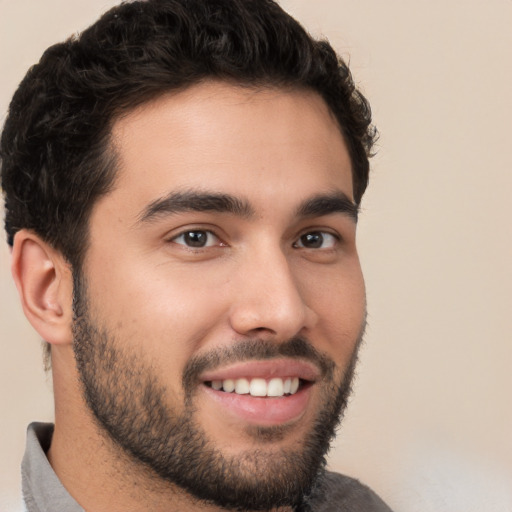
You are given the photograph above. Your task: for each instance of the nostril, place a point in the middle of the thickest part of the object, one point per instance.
(263, 329)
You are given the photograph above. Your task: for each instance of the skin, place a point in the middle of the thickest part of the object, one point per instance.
(273, 150)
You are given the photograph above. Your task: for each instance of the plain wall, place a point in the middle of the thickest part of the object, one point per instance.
(430, 423)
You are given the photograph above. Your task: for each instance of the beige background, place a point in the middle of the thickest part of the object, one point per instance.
(430, 425)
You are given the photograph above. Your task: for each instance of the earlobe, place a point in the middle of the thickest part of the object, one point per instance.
(45, 286)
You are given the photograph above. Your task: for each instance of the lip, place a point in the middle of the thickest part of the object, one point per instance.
(264, 411)
(282, 368)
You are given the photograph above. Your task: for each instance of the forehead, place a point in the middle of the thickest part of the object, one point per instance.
(241, 141)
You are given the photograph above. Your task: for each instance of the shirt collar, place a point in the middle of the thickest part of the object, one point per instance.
(42, 489)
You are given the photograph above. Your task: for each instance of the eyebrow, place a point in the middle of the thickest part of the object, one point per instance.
(325, 204)
(192, 201)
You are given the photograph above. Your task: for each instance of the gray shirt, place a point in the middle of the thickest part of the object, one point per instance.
(43, 491)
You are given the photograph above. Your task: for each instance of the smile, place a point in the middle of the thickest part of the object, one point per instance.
(272, 392)
(258, 387)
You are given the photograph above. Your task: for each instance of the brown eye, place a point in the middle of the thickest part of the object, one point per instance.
(316, 240)
(196, 239)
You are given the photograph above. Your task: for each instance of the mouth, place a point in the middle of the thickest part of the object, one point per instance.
(263, 392)
(260, 387)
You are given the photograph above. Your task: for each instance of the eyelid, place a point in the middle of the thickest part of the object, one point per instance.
(217, 243)
(337, 238)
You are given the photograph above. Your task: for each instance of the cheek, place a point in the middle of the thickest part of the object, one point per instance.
(340, 305)
(166, 311)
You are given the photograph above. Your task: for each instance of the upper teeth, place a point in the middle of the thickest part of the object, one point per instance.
(258, 387)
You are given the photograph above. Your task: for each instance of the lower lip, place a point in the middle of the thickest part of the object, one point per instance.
(263, 411)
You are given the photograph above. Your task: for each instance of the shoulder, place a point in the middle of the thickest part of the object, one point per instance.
(335, 492)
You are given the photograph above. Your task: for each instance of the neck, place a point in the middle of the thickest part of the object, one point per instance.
(101, 477)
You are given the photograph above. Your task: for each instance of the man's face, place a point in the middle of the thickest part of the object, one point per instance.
(225, 257)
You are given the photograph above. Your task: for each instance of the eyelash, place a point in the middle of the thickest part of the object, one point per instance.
(208, 232)
(299, 243)
(318, 233)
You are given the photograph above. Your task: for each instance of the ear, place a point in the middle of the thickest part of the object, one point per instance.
(44, 281)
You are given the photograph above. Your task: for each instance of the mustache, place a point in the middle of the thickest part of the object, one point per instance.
(251, 349)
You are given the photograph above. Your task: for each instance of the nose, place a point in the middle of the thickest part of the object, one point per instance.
(269, 300)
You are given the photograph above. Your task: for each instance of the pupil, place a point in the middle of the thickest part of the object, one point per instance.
(313, 240)
(195, 238)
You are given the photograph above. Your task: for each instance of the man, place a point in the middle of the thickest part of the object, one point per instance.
(182, 184)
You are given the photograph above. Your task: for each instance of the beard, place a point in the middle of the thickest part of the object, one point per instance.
(131, 406)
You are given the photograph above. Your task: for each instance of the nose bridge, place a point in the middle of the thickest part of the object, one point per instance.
(269, 298)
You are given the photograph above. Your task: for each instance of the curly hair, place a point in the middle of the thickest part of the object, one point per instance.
(56, 160)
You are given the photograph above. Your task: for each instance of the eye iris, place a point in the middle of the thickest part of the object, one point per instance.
(195, 238)
(312, 240)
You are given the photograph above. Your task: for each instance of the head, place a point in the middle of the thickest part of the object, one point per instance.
(222, 128)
